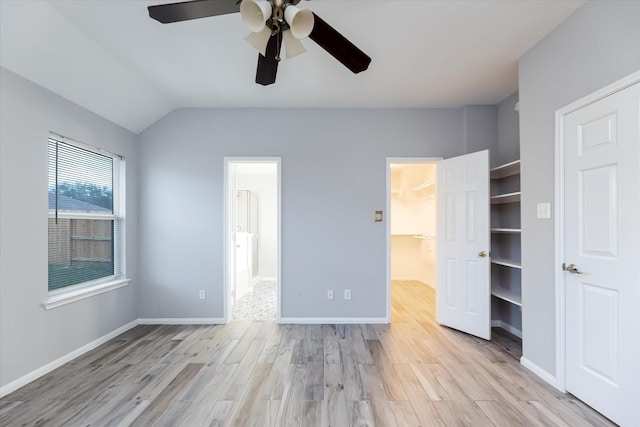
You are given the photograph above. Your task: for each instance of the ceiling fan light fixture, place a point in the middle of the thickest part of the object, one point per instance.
(272, 22)
(259, 40)
(255, 13)
(300, 21)
(292, 46)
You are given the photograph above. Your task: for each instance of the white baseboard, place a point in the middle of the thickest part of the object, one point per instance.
(332, 320)
(507, 327)
(546, 376)
(33, 375)
(183, 321)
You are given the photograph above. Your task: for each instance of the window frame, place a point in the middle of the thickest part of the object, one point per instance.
(79, 291)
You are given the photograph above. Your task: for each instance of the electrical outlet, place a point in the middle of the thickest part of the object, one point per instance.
(329, 294)
(201, 294)
(347, 294)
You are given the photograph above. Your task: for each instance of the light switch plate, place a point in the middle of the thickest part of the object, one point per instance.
(543, 211)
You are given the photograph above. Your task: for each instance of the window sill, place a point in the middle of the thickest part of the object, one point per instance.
(64, 298)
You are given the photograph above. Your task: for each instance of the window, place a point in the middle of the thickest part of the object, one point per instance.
(84, 215)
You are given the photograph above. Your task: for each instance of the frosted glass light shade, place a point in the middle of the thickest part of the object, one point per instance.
(255, 13)
(292, 46)
(300, 21)
(259, 40)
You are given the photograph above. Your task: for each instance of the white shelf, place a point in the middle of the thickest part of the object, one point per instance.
(505, 170)
(506, 198)
(423, 237)
(506, 262)
(507, 230)
(507, 295)
(424, 185)
(414, 236)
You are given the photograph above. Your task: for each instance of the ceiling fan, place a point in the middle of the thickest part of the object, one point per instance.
(271, 22)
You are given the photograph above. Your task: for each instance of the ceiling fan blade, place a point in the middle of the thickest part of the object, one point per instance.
(184, 11)
(338, 46)
(268, 64)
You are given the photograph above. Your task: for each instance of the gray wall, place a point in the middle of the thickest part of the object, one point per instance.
(31, 337)
(333, 179)
(481, 130)
(508, 147)
(596, 46)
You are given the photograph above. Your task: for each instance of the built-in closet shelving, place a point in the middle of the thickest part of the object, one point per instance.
(506, 266)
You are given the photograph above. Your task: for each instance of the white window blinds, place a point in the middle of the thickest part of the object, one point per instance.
(84, 223)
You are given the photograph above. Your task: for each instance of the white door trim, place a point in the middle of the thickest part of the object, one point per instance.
(560, 380)
(226, 231)
(388, 216)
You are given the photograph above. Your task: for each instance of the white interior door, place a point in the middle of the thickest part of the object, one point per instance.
(602, 252)
(464, 292)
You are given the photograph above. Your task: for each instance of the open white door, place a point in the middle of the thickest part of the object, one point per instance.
(464, 293)
(602, 231)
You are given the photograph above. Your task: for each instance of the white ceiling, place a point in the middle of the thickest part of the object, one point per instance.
(110, 57)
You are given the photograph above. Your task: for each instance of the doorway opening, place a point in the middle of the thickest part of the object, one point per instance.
(456, 235)
(252, 239)
(412, 225)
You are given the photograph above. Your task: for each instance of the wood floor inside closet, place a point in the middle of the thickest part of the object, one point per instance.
(410, 373)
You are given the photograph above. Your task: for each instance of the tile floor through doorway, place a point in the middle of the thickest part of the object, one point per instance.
(259, 304)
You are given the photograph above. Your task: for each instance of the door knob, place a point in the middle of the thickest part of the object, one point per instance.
(482, 254)
(571, 268)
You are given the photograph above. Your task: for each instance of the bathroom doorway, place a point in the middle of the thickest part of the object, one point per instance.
(252, 238)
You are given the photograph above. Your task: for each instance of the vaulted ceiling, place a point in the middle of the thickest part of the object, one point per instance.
(111, 58)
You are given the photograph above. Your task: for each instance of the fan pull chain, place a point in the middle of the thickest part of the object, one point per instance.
(278, 34)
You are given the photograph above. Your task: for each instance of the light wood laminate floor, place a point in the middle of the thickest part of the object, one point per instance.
(410, 373)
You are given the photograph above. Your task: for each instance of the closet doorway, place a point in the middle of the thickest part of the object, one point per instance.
(412, 224)
(450, 221)
(252, 238)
